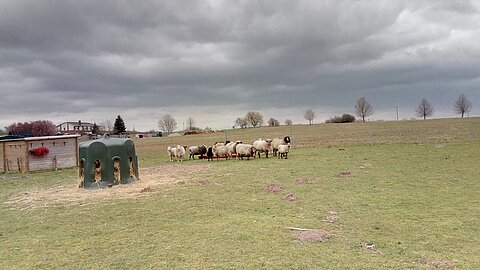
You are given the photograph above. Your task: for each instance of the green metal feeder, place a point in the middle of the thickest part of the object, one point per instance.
(106, 162)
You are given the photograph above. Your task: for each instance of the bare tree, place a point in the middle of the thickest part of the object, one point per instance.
(105, 126)
(363, 108)
(288, 122)
(241, 122)
(167, 123)
(462, 105)
(272, 122)
(310, 115)
(424, 109)
(190, 123)
(255, 119)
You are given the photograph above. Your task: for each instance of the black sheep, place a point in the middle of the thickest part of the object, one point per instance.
(210, 153)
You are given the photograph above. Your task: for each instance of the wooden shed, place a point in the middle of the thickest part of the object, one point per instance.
(38, 153)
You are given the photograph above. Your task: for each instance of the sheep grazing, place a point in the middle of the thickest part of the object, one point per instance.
(197, 150)
(220, 151)
(262, 146)
(245, 150)
(231, 148)
(176, 152)
(283, 150)
(221, 143)
(210, 153)
(276, 142)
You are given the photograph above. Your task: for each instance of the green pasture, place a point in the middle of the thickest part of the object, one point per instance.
(412, 189)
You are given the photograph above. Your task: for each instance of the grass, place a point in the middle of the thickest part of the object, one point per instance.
(413, 193)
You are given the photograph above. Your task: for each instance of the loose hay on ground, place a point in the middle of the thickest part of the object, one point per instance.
(440, 264)
(290, 197)
(161, 176)
(332, 217)
(273, 187)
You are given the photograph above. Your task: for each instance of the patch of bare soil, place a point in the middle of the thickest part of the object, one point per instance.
(440, 264)
(273, 187)
(345, 174)
(332, 217)
(203, 181)
(290, 198)
(314, 235)
(301, 181)
(164, 176)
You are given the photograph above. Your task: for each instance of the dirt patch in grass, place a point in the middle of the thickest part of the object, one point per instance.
(316, 235)
(151, 179)
(273, 187)
(146, 189)
(440, 264)
(345, 174)
(290, 198)
(203, 182)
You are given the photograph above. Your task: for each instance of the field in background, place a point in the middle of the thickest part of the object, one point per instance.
(304, 136)
(409, 188)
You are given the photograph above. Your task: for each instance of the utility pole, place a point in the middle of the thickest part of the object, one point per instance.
(397, 113)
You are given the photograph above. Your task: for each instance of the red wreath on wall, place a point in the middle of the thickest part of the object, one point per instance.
(40, 151)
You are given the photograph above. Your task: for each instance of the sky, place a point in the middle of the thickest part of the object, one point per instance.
(216, 60)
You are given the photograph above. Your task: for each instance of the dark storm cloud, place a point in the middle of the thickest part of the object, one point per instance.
(93, 59)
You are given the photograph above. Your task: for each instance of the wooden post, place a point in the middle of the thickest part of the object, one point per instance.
(4, 158)
(27, 159)
(55, 162)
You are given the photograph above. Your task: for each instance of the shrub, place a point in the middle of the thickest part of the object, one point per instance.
(345, 118)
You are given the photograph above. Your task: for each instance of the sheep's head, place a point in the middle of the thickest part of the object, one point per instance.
(286, 139)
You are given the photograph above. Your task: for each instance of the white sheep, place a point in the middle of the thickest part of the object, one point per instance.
(177, 152)
(262, 146)
(276, 142)
(245, 150)
(283, 150)
(220, 151)
(231, 148)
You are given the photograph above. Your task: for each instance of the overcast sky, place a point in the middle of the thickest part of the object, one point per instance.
(216, 60)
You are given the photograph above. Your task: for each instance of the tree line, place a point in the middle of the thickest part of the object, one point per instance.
(168, 124)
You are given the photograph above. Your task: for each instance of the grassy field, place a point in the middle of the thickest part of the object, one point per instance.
(409, 188)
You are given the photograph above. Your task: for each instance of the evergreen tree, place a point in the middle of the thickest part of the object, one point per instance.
(119, 126)
(95, 129)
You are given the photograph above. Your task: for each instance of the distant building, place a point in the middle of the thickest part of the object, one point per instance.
(75, 127)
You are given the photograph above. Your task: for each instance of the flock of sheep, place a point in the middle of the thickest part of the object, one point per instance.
(227, 150)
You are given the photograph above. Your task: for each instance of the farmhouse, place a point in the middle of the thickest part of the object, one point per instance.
(75, 127)
(19, 154)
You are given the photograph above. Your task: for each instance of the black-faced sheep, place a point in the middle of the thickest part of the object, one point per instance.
(276, 142)
(231, 148)
(283, 150)
(221, 143)
(245, 150)
(197, 150)
(262, 146)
